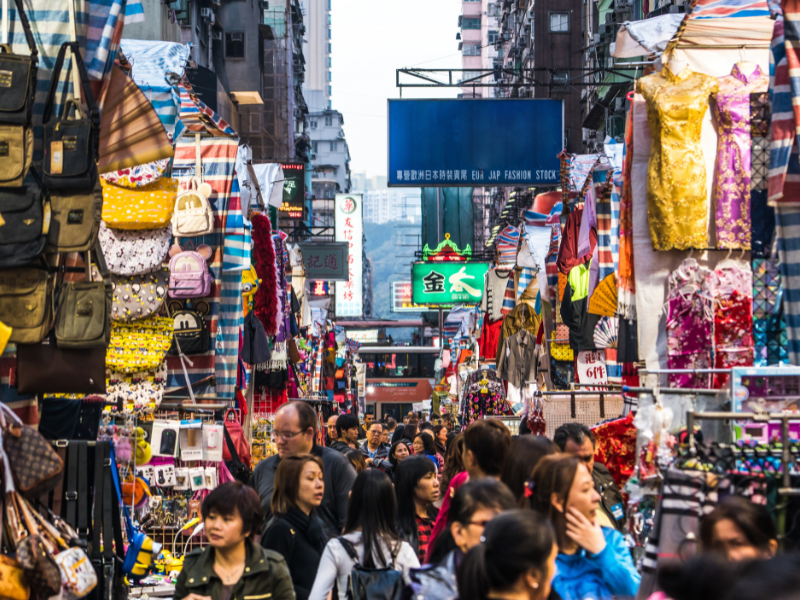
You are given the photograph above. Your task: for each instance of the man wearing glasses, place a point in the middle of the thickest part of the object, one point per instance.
(294, 431)
(577, 439)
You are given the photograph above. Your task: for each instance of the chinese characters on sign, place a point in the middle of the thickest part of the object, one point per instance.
(402, 298)
(327, 262)
(592, 369)
(350, 229)
(466, 176)
(443, 284)
(294, 190)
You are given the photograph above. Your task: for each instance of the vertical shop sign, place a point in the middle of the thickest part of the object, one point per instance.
(349, 226)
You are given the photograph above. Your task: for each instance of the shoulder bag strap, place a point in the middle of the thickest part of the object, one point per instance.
(107, 511)
(54, 77)
(348, 547)
(26, 26)
(115, 477)
(100, 454)
(82, 525)
(71, 495)
(230, 445)
(58, 492)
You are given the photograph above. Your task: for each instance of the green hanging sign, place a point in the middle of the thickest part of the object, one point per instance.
(443, 284)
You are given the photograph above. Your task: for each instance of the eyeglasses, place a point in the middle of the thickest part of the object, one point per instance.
(478, 523)
(285, 435)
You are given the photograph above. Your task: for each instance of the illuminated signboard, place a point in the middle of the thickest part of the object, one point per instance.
(294, 190)
(321, 288)
(444, 284)
(364, 336)
(401, 298)
(349, 227)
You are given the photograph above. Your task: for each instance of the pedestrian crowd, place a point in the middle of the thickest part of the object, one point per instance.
(415, 510)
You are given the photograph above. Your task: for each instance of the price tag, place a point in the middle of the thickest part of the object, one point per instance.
(592, 369)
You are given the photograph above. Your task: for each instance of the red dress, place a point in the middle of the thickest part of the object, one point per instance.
(490, 334)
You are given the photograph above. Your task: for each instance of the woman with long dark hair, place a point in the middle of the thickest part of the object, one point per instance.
(526, 452)
(410, 431)
(474, 504)
(416, 486)
(399, 451)
(424, 446)
(517, 559)
(297, 532)
(371, 528)
(593, 561)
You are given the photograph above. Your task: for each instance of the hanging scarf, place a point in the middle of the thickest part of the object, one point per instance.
(266, 301)
(626, 283)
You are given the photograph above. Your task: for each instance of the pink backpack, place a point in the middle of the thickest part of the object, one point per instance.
(188, 272)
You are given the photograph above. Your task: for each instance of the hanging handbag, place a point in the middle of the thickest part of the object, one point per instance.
(193, 214)
(137, 297)
(191, 335)
(26, 303)
(70, 145)
(23, 234)
(18, 76)
(134, 252)
(139, 346)
(141, 389)
(35, 466)
(146, 207)
(234, 429)
(83, 319)
(75, 220)
(13, 585)
(44, 368)
(34, 553)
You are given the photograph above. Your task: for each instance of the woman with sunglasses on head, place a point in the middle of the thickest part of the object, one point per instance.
(593, 561)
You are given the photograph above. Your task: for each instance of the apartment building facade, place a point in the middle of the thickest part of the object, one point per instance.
(317, 47)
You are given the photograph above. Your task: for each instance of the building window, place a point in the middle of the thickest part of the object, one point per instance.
(330, 92)
(334, 146)
(328, 121)
(314, 146)
(559, 22)
(472, 50)
(467, 75)
(313, 124)
(560, 81)
(493, 12)
(329, 33)
(329, 47)
(234, 45)
(470, 23)
(329, 62)
(329, 76)
(493, 37)
(329, 18)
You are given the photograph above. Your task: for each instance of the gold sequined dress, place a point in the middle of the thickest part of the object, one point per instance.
(677, 202)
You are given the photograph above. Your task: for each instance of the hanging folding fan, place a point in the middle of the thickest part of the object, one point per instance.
(130, 131)
(606, 332)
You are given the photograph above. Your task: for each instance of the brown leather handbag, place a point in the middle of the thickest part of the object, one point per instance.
(35, 465)
(45, 368)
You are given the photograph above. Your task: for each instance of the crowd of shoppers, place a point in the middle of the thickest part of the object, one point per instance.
(487, 516)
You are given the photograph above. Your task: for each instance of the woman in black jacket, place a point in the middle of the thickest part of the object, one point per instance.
(296, 531)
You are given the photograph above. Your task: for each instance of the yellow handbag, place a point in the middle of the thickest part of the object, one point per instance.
(146, 207)
(139, 345)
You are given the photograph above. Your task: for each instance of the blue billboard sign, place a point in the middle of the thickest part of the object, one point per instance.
(449, 143)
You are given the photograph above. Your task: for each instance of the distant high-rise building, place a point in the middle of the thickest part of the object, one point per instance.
(392, 205)
(317, 51)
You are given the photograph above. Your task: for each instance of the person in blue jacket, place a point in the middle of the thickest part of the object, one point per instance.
(593, 561)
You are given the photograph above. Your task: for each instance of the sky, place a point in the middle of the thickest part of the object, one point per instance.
(370, 40)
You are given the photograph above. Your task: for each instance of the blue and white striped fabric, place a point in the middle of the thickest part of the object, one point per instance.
(616, 191)
(152, 62)
(236, 250)
(507, 244)
(787, 229)
(526, 277)
(106, 20)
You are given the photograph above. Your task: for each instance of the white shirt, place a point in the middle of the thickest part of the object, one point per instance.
(336, 564)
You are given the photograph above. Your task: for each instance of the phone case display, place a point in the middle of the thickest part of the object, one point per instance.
(197, 478)
(677, 204)
(165, 475)
(213, 440)
(191, 440)
(182, 479)
(165, 438)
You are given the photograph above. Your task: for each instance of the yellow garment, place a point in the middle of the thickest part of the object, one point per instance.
(677, 207)
(5, 335)
(522, 316)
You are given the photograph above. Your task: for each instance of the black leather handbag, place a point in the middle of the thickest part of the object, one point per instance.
(18, 77)
(71, 145)
(22, 235)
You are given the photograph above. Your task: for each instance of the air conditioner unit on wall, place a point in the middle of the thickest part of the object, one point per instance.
(206, 13)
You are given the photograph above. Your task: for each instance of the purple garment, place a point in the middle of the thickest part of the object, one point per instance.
(284, 329)
(689, 339)
(732, 176)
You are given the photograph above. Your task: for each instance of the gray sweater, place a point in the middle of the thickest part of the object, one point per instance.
(339, 478)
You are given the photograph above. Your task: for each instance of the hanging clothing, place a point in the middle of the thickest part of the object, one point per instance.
(516, 362)
(788, 233)
(689, 324)
(522, 316)
(676, 177)
(733, 166)
(575, 310)
(769, 329)
(762, 215)
(733, 334)
(568, 256)
(492, 301)
(490, 334)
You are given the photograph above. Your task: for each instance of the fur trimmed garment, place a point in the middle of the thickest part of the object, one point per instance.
(266, 300)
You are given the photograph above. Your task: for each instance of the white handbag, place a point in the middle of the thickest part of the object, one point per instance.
(78, 577)
(193, 215)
